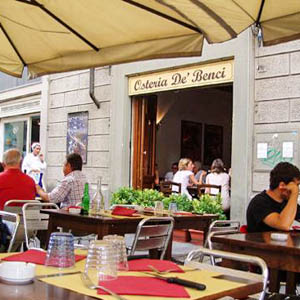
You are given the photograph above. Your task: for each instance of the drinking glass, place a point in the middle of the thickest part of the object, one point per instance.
(101, 261)
(172, 208)
(60, 251)
(118, 243)
(159, 208)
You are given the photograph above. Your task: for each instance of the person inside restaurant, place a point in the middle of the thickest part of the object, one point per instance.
(276, 208)
(70, 189)
(14, 184)
(200, 174)
(169, 175)
(218, 176)
(34, 164)
(185, 176)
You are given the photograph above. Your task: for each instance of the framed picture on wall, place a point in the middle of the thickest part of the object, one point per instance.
(77, 134)
(191, 140)
(213, 143)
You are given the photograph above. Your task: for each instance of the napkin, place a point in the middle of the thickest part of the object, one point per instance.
(160, 265)
(123, 211)
(144, 286)
(34, 256)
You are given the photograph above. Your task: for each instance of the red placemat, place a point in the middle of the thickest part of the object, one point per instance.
(144, 286)
(123, 211)
(160, 265)
(34, 256)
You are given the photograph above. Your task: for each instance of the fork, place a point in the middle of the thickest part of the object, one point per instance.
(168, 271)
(89, 284)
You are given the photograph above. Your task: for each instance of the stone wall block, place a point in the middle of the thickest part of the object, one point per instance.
(99, 126)
(103, 93)
(295, 110)
(58, 115)
(71, 98)
(93, 174)
(94, 112)
(295, 62)
(55, 159)
(57, 144)
(280, 48)
(277, 88)
(272, 111)
(57, 100)
(84, 80)
(58, 129)
(277, 65)
(98, 143)
(102, 76)
(99, 159)
(64, 84)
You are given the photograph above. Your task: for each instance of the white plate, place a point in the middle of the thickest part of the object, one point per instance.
(16, 281)
(279, 236)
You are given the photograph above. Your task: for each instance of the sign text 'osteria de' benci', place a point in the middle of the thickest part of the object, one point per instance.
(186, 77)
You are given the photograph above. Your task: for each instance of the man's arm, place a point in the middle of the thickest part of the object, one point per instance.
(42, 193)
(284, 220)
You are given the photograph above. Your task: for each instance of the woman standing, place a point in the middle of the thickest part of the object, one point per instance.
(33, 163)
(184, 176)
(219, 177)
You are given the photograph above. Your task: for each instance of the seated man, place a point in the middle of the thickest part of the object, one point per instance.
(169, 175)
(70, 190)
(14, 184)
(276, 208)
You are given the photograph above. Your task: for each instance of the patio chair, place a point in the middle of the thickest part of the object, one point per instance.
(229, 271)
(35, 221)
(13, 219)
(202, 188)
(166, 187)
(15, 206)
(153, 233)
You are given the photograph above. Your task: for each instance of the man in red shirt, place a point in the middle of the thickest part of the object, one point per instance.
(13, 183)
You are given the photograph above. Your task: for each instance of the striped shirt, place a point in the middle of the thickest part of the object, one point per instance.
(70, 189)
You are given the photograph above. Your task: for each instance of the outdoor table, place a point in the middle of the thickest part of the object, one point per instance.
(104, 225)
(278, 255)
(218, 281)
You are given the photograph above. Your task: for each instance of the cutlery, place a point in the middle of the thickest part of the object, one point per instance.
(57, 274)
(183, 282)
(169, 271)
(89, 284)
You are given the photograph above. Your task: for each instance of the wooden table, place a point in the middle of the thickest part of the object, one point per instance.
(107, 225)
(279, 255)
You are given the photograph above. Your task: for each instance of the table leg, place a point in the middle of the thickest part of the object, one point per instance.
(291, 283)
(274, 283)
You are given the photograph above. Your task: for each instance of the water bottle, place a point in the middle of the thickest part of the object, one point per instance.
(97, 205)
(85, 200)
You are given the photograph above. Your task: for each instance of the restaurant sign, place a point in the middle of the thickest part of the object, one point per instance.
(186, 77)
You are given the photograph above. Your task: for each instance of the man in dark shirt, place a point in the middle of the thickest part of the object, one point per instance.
(276, 208)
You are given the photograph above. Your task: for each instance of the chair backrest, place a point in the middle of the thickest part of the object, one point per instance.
(34, 220)
(254, 260)
(166, 187)
(153, 233)
(14, 220)
(202, 189)
(15, 206)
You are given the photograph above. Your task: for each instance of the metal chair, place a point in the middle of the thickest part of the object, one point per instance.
(166, 187)
(153, 233)
(15, 206)
(13, 219)
(202, 189)
(231, 256)
(35, 221)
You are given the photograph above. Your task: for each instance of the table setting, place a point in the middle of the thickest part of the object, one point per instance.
(103, 272)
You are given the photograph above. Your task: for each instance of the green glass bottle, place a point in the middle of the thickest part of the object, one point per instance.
(86, 200)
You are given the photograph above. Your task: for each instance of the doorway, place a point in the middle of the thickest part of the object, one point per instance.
(194, 123)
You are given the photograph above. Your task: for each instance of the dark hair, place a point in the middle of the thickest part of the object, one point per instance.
(283, 172)
(75, 161)
(1, 167)
(217, 166)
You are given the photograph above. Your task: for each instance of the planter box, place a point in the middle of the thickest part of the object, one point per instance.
(196, 236)
(181, 235)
